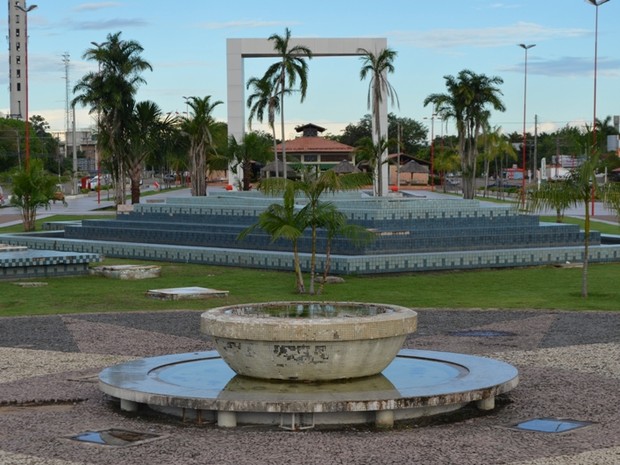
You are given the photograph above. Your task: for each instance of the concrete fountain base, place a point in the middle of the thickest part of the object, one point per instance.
(200, 386)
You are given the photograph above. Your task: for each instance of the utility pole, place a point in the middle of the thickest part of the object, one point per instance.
(65, 60)
(535, 148)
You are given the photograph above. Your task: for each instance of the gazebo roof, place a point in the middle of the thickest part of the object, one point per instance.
(314, 145)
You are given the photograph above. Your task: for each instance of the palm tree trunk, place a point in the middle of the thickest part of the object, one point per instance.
(284, 166)
(312, 261)
(298, 275)
(586, 252)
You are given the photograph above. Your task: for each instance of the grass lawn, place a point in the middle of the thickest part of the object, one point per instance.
(522, 288)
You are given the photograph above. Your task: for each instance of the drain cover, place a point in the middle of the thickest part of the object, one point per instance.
(115, 437)
(481, 333)
(550, 425)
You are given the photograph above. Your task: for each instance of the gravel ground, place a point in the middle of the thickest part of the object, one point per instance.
(569, 365)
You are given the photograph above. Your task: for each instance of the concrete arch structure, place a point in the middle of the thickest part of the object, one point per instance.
(239, 49)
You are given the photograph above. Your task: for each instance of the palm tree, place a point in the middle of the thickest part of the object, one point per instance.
(377, 67)
(264, 97)
(110, 94)
(284, 221)
(578, 188)
(144, 131)
(313, 186)
(284, 74)
(199, 127)
(255, 147)
(372, 153)
(495, 146)
(467, 98)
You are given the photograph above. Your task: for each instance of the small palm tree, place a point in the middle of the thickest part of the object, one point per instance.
(255, 147)
(377, 67)
(284, 221)
(372, 153)
(285, 73)
(199, 127)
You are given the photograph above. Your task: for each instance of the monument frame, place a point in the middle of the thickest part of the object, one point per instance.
(239, 49)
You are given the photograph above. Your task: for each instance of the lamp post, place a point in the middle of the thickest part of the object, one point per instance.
(432, 118)
(26, 10)
(524, 148)
(97, 155)
(596, 4)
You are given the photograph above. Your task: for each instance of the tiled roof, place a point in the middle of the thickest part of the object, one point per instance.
(315, 145)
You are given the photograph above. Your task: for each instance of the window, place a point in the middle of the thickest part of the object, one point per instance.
(18, 73)
(18, 59)
(17, 46)
(16, 32)
(19, 87)
(17, 19)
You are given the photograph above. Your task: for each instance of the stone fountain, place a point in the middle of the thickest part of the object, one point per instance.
(301, 364)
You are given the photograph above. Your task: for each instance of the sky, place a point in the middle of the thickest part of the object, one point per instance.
(185, 42)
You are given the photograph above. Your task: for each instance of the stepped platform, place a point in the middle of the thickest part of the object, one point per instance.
(411, 234)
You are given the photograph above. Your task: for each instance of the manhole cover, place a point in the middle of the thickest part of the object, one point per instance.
(481, 333)
(550, 425)
(115, 437)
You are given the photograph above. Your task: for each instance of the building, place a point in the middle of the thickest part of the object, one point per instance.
(312, 150)
(85, 146)
(17, 58)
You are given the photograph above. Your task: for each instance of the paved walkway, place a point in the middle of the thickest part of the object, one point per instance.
(569, 364)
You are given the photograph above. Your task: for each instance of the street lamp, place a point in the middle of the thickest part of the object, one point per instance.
(526, 48)
(432, 118)
(596, 3)
(97, 155)
(26, 10)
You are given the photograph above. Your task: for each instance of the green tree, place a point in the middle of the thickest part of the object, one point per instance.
(33, 188)
(467, 100)
(578, 189)
(372, 153)
(284, 221)
(199, 127)
(110, 92)
(145, 134)
(495, 146)
(377, 67)
(292, 66)
(254, 147)
(264, 96)
(313, 186)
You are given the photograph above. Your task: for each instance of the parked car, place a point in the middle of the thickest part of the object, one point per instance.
(1, 197)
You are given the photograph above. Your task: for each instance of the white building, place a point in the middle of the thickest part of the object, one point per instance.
(17, 58)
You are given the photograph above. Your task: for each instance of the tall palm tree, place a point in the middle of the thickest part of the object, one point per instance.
(264, 97)
(466, 100)
(292, 65)
(110, 93)
(377, 67)
(198, 127)
(495, 145)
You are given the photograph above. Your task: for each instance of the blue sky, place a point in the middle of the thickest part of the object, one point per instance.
(186, 44)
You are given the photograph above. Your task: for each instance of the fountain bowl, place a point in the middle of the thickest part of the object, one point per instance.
(308, 341)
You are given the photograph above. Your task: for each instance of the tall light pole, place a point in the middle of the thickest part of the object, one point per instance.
(26, 10)
(97, 155)
(596, 3)
(432, 118)
(524, 148)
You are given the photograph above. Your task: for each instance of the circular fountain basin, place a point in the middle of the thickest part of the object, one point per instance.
(308, 341)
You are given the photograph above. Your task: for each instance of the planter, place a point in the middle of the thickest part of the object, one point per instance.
(308, 341)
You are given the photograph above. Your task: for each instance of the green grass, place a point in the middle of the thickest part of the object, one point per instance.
(604, 228)
(521, 288)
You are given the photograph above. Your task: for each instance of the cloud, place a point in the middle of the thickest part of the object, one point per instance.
(96, 6)
(488, 37)
(110, 24)
(245, 24)
(568, 66)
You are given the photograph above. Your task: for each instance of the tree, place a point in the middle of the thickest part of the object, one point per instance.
(284, 221)
(199, 128)
(316, 212)
(109, 92)
(264, 97)
(495, 146)
(372, 153)
(33, 188)
(292, 66)
(466, 100)
(144, 133)
(579, 188)
(254, 147)
(377, 67)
